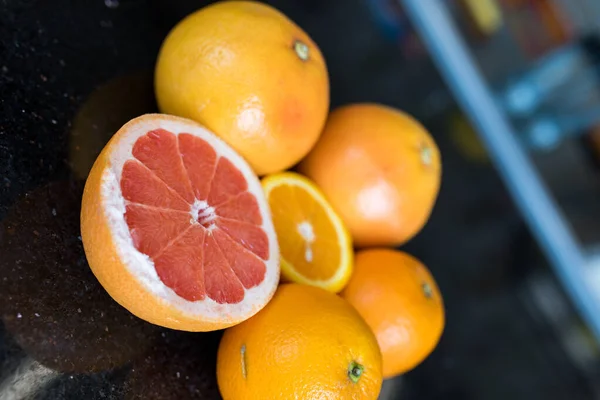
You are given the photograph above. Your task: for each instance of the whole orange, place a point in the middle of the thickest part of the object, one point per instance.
(307, 343)
(248, 73)
(401, 302)
(380, 169)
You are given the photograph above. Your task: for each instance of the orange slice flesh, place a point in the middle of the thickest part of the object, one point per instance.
(195, 232)
(296, 213)
(316, 248)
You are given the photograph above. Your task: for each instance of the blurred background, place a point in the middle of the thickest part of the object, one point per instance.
(513, 241)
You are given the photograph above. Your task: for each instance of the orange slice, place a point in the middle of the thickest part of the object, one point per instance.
(176, 228)
(316, 248)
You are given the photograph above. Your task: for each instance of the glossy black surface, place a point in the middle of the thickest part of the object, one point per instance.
(51, 302)
(71, 73)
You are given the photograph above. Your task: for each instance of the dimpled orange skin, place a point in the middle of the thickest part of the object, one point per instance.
(387, 288)
(381, 171)
(299, 346)
(233, 67)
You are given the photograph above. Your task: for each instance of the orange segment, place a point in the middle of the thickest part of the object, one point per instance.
(227, 183)
(241, 208)
(180, 265)
(140, 185)
(199, 160)
(153, 228)
(247, 267)
(250, 236)
(158, 151)
(221, 283)
(315, 246)
(306, 220)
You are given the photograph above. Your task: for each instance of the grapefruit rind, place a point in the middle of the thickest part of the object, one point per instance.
(128, 275)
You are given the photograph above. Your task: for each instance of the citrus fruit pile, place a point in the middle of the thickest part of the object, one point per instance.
(190, 221)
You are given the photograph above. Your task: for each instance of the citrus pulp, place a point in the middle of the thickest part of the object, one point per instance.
(316, 248)
(176, 228)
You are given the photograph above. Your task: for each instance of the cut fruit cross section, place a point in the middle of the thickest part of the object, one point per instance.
(176, 227)
(316, 248)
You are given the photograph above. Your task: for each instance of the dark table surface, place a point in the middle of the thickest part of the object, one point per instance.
(71, 73)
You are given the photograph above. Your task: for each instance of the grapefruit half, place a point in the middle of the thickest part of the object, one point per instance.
(176, 228)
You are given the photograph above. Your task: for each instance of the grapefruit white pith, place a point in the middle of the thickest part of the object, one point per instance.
(176, 228)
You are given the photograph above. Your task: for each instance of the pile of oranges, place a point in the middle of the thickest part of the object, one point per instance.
(351, 310)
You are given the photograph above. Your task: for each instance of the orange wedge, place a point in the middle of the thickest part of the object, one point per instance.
(316, 248)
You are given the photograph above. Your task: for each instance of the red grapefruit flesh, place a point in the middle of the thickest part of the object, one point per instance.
(188, 223)
(186, 256)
